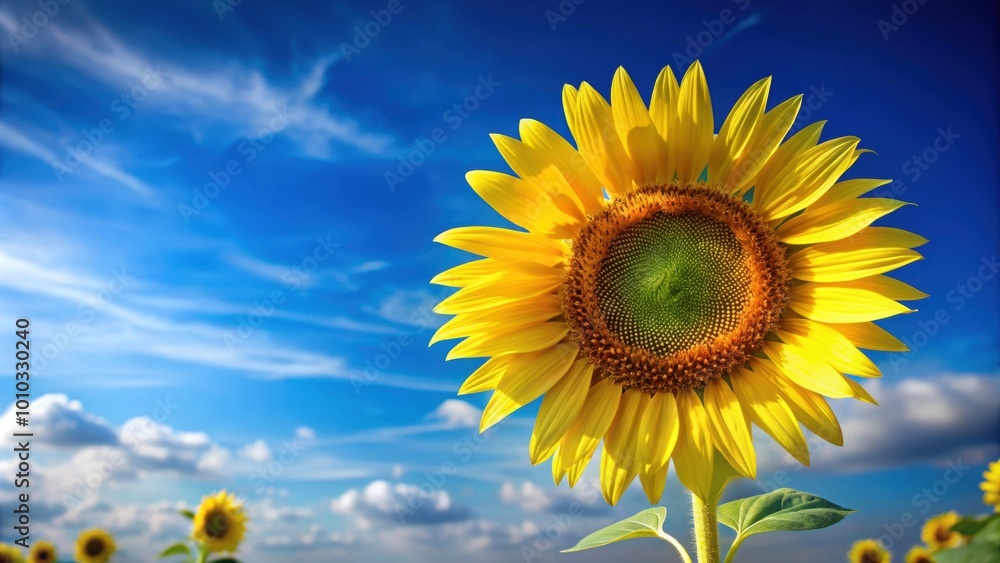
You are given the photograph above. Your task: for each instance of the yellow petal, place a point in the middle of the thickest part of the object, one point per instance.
(505, 244)
(694, 452)
(528, 205)
(767, 137)
(575, 471)
(809, 408)
(559, 409)
(783, 155)
(884, 285)
(468, 273)
(525, 379)
(695, 125)
(519, 281)
(658, 432)
(582, 437)
(653, 483)
(770, 412)
(832, 346)
(514, 341)
(488, 375)
(567, 160)
(860, 392)
(835, 221)
(844, 260)
(870, 337)
(803, 367)
(549, 187)
(849, 189)
(639, 135)
(821, 302)
(618, 460)
(806, 178)
(599, 143)
(734, 140)
(730, 430)
(517, 315)
(663, 112)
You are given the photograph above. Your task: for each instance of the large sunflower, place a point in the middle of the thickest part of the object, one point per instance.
(42, 552)
(94, 546)
(673, 286)
(220, 522)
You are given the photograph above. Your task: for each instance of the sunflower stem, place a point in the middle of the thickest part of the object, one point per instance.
(706, 530)
(202, 554)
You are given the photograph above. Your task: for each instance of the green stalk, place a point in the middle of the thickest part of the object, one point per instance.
(706, 531)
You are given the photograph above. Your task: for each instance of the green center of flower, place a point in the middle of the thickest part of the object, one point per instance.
(670, 282)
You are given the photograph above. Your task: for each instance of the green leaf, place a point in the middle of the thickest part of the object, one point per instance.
(187, 514)
(646, 524)
(982, 552)
(970, 525)
(780, 510)
(179, 548)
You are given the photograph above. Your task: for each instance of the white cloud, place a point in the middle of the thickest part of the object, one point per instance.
(455, 413)
(399, 503)
(585, 498)
(412, 308)
(64, 421)
(256, 451)
(369, 266)
(305, 433)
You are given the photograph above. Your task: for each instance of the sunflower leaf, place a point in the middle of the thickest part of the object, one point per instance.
(187, 514)
(780, 510)
(987, 526)
(646, 524)
(981, 552)
(178, 548)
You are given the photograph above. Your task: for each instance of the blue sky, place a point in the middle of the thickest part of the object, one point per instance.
(226, 288)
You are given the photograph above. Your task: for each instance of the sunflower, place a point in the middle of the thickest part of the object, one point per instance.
(220, 522)
(919, 554)
(10, 554)
(991, 485)
(94, 546)
(673, 287)
(43, 552)
(937, 533)
(868, 551)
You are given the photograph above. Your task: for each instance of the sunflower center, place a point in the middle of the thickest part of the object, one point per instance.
(669, 282)
(671, 286)
(942, 534)
(43, 555)
(94, 546)
(216, 524)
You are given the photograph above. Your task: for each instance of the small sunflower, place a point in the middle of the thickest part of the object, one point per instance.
(868, 551)
(43, 552)
(937, 533)
(991, 485)
(919, 554)
(10, 554)
(220, 522)
(673, 287)
(94, 546)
